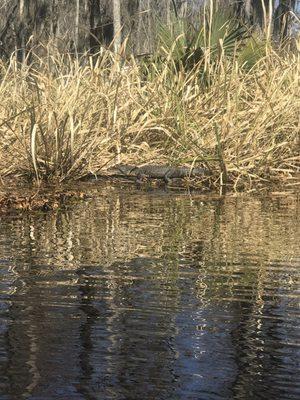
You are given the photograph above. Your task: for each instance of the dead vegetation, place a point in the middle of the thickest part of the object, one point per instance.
(63, 119)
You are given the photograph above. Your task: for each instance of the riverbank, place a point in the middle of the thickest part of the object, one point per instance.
(18, 197)
(62, 120)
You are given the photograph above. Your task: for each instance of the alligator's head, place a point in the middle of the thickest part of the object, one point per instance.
(124, 169)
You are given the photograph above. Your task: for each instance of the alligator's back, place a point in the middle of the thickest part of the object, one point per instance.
(154, 171)
(168, 172)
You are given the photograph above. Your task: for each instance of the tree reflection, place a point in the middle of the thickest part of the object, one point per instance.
(136, 294)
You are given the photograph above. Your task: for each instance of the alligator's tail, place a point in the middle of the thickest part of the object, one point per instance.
(197, 171)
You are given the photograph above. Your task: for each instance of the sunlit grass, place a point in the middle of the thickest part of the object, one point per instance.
(62, 118)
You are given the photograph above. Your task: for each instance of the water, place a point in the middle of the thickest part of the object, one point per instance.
(150, 295)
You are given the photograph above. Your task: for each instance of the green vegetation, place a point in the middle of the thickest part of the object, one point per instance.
(219, 96)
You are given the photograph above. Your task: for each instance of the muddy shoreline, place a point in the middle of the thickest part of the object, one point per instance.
(17, 195)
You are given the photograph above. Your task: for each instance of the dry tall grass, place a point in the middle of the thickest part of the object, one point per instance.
(62, 118)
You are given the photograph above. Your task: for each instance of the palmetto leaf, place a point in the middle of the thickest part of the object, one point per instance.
(172, 39)
(224, 30)
(253, 51)
(184, 47)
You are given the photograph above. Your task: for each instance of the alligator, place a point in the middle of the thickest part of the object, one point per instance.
(155, 171)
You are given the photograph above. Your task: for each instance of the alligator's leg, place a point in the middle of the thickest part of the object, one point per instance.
(167, 177)
(140, 178)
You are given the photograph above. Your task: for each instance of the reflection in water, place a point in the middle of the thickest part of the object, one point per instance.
(138, 295)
